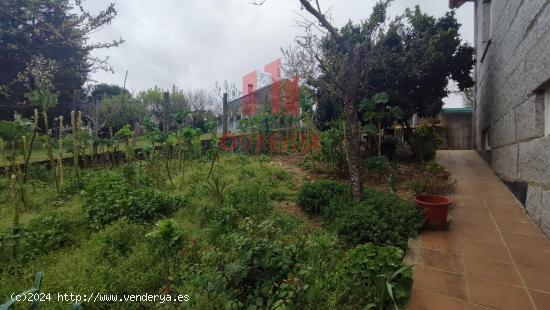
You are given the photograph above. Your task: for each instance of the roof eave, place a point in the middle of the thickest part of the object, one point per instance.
(455, 4)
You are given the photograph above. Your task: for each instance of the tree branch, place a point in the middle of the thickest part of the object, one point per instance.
(321, 18)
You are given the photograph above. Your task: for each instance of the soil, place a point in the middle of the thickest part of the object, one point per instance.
(405, 174)
(300, 176)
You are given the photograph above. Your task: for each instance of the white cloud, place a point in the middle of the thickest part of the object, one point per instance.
(194, 43)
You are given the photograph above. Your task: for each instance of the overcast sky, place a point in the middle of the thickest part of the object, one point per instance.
(194, 43)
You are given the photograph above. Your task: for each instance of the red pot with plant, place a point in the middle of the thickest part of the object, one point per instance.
(435, 209)
(435, 169)
(445, 175)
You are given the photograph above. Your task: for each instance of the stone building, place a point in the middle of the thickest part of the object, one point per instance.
(512, 110)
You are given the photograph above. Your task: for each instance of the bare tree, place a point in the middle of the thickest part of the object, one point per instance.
(201, 102)
(299, 60)
(228, 88)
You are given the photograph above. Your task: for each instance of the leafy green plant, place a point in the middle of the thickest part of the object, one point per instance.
(168, 238)
(119, 238)
(224, 206)
(435, 186)
(125, 135)
(132, 174)
(217, 187)
(424, 143)
(314, 197)
(374, 276)
(168, 232)
(15, 133)
(433, 167)
(418, 187)
(109, 197)
(379, 163)
(381, 218)
(51, 232)
(333, 148)
(377, 115)
(261, 270)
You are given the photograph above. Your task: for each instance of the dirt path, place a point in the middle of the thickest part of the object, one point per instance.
(299, 177)
(292, 165)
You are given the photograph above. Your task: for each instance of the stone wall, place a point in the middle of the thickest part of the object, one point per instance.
(511, 81)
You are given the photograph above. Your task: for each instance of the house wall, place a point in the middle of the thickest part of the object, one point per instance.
(511, 81)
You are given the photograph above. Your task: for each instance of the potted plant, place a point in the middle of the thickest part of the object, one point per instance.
(435, 207)
(436, 169)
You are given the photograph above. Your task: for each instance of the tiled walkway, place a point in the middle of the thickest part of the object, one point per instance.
(492, 256)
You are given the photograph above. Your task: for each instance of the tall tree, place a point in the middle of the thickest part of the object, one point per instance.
(202, 103)
(153, 100)
(108, 90)
(341, 58)
(412, 61)
(57, 30)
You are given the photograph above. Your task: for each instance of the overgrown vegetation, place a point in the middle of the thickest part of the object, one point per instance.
(109, 197)
(221, 240)
(380, 218)
(146, 206)
(315, 197)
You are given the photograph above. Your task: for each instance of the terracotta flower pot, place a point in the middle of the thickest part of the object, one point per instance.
(435, 209)
(444, 175)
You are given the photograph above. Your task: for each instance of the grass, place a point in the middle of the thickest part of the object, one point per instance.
(230, 240)
(63, 268)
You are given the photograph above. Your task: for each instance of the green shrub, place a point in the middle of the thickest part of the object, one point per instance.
(372, 275)
(133, 174)
(434, 167)
(251, 198)
(254, 267)
(117, 259)
(167, 236)
(109, 197)
(379, 163)
(381, 218)
(424, 143)
(52, 232)
(260, 268)
(119, 238)
(39, 172)
(418, 187)
(314, 197)
(39, 237)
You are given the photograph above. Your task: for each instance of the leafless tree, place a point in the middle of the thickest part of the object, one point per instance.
(299, 60)
(230, 89)
(200, 103)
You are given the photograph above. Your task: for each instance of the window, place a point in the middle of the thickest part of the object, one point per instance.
(547, 112)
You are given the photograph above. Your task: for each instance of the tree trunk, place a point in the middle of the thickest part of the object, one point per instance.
(354, 133)
(354, 149)
(350, 88)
